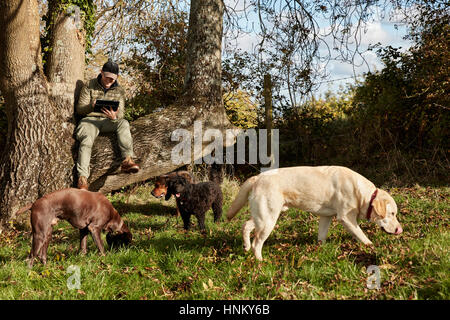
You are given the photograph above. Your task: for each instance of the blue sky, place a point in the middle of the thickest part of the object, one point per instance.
(380, 30)
(383, 32)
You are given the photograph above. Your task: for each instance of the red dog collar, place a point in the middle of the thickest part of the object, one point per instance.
(369, 209)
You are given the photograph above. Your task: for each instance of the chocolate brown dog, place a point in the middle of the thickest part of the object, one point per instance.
(88, 211)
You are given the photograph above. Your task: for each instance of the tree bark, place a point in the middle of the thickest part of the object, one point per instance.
(40, 153)
(268, 111)
(65, 66)
(65, 74)
(202, 101)
(30, 165)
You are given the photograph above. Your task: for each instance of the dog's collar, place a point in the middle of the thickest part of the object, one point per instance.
(369, 209)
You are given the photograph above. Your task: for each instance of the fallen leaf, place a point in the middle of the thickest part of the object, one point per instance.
(387, 266)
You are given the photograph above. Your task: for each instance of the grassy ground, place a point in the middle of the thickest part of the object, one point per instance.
(165, 262)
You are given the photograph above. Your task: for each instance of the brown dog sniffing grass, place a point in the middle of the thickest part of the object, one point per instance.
(91, 212)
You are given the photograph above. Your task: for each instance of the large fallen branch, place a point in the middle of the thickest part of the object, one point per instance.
(152, 145)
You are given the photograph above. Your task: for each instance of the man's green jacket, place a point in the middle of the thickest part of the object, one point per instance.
(93, 90)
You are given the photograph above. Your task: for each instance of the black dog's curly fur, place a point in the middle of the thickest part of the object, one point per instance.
(117, 240)
(196, 199)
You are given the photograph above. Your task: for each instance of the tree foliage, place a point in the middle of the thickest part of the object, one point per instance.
(397, 118)
(241, 110)
(157, 65)
(157, 62)
(297, 39)
(120, 21)
(409, 98)
(312, 133)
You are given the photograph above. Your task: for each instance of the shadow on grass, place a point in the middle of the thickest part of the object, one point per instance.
(171, 221)
(298, 239)
(430, 292)
(5, 259)
(364, 258)
(220, 240)
(147, 209)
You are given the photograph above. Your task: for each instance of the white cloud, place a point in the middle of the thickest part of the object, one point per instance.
(340, 69)
(375, 33)
(246, 41)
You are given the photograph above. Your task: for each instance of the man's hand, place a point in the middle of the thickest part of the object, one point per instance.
(111, 114)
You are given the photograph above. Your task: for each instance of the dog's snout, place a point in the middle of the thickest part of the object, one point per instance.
(398, 230)
(157, 195)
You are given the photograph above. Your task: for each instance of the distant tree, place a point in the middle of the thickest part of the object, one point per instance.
(241, 110)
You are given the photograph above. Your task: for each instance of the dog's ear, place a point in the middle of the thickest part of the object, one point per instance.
(168, 193)
(379, 206)
(125, 229)
(114, 224)
(170, 185)
(182, 180)
(111, 226)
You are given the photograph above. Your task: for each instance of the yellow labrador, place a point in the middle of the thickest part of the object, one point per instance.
(326, 191)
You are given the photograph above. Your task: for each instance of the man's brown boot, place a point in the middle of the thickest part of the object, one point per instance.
(82, 183)
(129, 166)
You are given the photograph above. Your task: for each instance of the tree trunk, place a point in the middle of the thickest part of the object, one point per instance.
(65, 66)
(40, 152)
(268, 111)
(65, 74)
(202, 101)
(30, 165)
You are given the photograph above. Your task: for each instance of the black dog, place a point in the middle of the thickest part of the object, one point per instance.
(118, 239)
(196, 199)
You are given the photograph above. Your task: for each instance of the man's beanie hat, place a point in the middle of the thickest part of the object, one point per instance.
(111, 69)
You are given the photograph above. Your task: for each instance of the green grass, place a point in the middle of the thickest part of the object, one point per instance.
(165, 262)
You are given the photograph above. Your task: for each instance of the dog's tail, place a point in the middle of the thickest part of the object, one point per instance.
(241, 198)
(216, 173)
(22, 210)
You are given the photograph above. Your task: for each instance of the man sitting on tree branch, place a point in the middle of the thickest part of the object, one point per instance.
(105, 120)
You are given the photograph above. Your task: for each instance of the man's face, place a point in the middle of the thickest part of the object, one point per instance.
(107, 82)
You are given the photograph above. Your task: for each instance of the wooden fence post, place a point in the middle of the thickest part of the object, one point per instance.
(268, 116)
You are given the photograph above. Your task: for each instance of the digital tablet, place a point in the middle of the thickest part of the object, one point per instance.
(100, 104)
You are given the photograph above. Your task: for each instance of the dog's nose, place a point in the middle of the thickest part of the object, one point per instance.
(398, 230)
